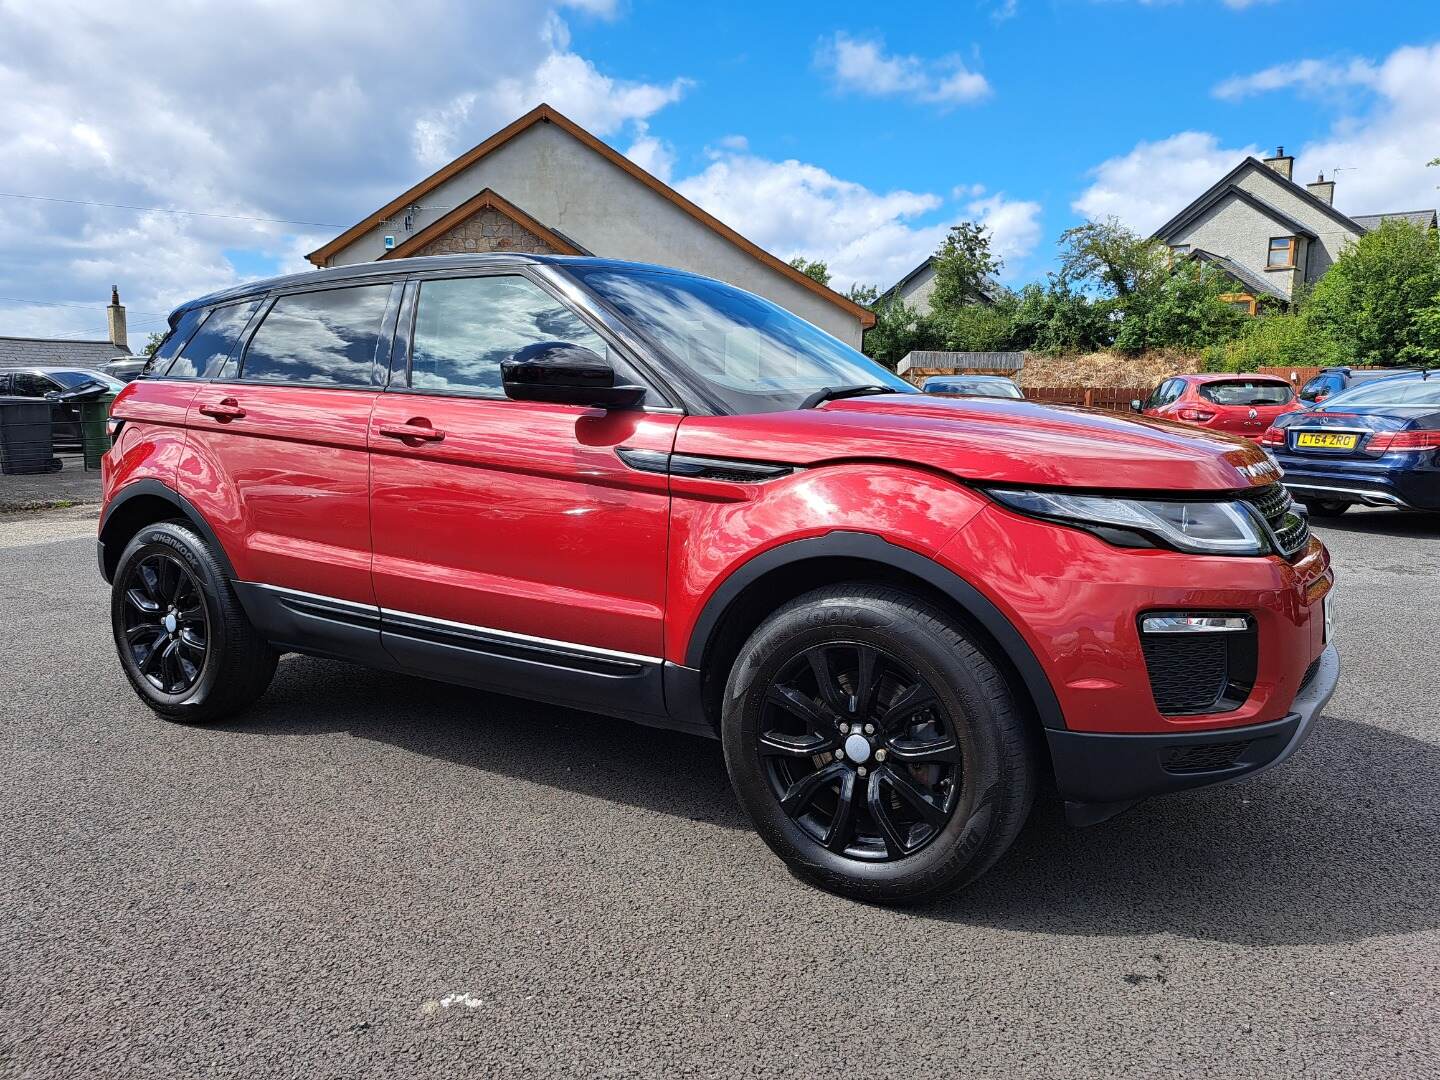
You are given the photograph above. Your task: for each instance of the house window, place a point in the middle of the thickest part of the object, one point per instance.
(1240, 302)
(1282, 253)
(1180, 250)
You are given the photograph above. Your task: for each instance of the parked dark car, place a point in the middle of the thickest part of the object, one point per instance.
(972, 386)
(641, 492)
(125, 368)
(52, 383)
(1377, 444)
(1336, 380)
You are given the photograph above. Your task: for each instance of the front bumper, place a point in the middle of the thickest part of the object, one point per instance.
(1100, 775)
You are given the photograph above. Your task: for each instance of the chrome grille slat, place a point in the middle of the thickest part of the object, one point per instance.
(1290, 529)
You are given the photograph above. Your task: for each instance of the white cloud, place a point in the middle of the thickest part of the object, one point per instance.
(1014, 226)
(1310, 77)
(1004, 9)
(341, 106)
(652, 154)
(861, 65)
(1145, 187)
(1381, 151)
(792, 208)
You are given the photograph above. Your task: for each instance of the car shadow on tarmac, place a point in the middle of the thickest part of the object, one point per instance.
(1382, 522)
(1338, 845)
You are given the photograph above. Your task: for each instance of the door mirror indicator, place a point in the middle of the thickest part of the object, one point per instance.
(566, 374)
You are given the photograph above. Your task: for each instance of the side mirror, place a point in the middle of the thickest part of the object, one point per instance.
(565, 374)
(1135, 405)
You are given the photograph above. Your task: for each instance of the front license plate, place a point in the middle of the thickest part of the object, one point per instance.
(1329, 615)
(1325, 440)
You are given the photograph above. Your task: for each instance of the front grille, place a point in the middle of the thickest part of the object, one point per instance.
(1290, 528)
(1188, 672)
(1198, 759)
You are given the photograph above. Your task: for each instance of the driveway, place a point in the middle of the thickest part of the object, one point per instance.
(374, 877)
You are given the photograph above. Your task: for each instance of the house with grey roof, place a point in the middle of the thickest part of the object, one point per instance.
(1269, 233)
(916, 288)
(26, 352)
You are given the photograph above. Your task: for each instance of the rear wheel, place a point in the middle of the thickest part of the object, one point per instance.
(183, 639)
(875, 747)
(1326, 507)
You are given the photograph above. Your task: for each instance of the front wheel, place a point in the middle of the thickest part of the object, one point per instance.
(876, 748)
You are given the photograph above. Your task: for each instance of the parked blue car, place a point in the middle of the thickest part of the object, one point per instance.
(1377, 443)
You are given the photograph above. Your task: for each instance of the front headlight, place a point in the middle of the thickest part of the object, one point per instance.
(1205, 528)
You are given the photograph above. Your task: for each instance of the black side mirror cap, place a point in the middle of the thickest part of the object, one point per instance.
(565, 374)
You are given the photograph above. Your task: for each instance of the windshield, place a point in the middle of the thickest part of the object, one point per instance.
(1394, 391)
(72, 379)
(1001, 388)
(751, 354)
(1246, 392)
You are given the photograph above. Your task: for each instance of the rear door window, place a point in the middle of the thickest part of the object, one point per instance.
(325, 338)
(1245, 392)
(204, 356)
(30, 384)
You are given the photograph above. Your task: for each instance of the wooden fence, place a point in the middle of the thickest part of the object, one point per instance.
(1109, 398)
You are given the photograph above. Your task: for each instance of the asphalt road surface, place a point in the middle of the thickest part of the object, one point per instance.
(380, 877)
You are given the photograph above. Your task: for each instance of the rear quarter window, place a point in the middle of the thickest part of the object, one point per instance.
(164, 356)
(204, 356)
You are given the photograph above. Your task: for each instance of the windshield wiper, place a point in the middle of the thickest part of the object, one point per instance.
(834, 393)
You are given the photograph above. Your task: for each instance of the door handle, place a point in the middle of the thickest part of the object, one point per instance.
(416, 430)
(224, 410)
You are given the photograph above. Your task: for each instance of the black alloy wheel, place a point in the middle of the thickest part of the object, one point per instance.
(165, 624)
(860, 752)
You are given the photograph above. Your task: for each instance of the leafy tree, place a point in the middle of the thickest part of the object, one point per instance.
(1107, 258)
(864, 295)
(1054, 318)
(899, 329)
(1279, 339)
(1372, 301)
(152, 343)
(1181, 309)
(812, 268)
(964, 265)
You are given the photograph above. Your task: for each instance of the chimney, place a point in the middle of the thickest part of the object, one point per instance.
(115, 319)
(1322, 189)
(1282, 164)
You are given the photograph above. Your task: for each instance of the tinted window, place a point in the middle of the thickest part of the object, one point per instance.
(1001, 388)
(1400, 391)
(1245, 392)
(752, 354)
(30, 384)
(464, 328)
(207, 351)
(70, 380)
(325, 338)
(1312, 390)
(174, 341)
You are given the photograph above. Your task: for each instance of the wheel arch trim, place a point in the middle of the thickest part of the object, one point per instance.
(872, 548)
(155, 489)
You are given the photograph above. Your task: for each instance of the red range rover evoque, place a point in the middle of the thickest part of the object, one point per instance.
(643, 493)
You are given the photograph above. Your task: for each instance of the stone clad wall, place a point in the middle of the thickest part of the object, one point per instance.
(489, 230)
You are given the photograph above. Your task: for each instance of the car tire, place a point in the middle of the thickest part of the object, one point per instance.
(1326, 508)
(183, 639)
(943, 728)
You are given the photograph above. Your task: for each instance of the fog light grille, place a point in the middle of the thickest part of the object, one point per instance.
(1198, 759)
(1209, 667)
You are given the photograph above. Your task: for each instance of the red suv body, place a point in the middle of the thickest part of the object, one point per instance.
(1242, 405)
(643, 493)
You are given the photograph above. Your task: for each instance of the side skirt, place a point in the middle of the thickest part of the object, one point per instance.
(624, 685)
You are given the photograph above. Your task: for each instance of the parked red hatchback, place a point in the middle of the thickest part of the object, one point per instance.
(644, 493)
(1236, 404)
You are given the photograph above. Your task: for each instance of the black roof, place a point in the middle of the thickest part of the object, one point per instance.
(391, 267)
(1226, 184)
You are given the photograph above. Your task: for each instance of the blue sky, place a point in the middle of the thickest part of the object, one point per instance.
(846, 131)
